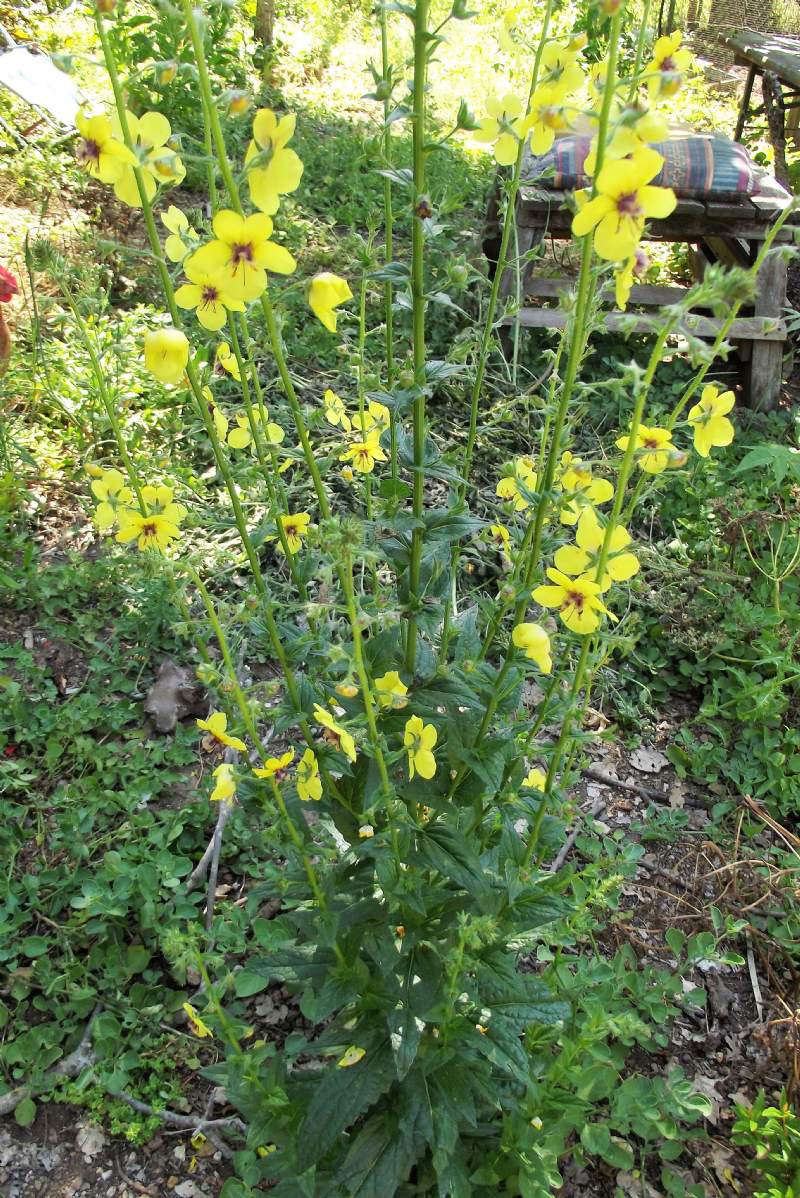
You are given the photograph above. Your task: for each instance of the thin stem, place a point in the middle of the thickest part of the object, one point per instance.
(388, 215)
(418, 317)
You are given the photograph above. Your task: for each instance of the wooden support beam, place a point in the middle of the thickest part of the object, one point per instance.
(751, 328)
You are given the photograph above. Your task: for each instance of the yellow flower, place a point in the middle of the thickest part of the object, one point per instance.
(669, 65)
(154, 531)
(276, 767)
(364, 454)
(419, 739)
(242, 436)
(517, 486)
(242, 253)
(160, 524)
(335, 734)
(335, 410)
(308, 782)
(391, 691)
(216, 725)
(635, 128)
(547, 116)
(166, 352)
(219, 418)
(536, 643)
(348, 690)
(198, 1027)
(624, 201)
(325, 293)
(582, 558)
(579, 488)
(535, 779)
(366, 831)
(99, 153)
(501, 537)
(709, 419)
(227, 360)
(295, 528)
(347, 473)
(561, 73)
(351, 1057)
(180, 232)
(374, 420)
(225, 787)
(155, 157)
(503, 127)
(166, 72)
(112, 492)
(205, 292)
(276, 170)
(577, 600)
(238, 103)
(653, 448)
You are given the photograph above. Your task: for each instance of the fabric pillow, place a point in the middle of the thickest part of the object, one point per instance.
(700, 165)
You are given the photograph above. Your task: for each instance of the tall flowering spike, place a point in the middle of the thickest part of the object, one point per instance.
(516, 488)
(276, 169)
(364, 454)
(579, 488)
(325, 294)
(709, 419)
(625, 200)
(100, 153)
(535, 642)
(577, 599)
(166, 354)
(419, 740)
(241, 254)
(560, 72)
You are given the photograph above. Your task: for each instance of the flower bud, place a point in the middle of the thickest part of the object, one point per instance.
(166, 353)
(106, 7)
(423, 208)
(166, 72)
(238, 103)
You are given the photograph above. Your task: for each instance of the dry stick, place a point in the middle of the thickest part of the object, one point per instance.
(598, 806)
(80, 1058)
(751, 969)
(193, 1123)
(231, 756)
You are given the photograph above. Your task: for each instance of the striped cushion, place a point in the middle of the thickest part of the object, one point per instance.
(700, 165)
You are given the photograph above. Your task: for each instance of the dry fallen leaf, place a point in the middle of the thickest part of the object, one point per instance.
(648, 761)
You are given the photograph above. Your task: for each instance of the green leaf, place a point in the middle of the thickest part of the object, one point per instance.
(449, 852)
(25, 1112)
(405, 1032)
(341, 1097)
(378, 1161)
(34, 946)
(246, 982)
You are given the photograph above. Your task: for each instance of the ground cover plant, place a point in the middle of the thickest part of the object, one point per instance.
(282, 466)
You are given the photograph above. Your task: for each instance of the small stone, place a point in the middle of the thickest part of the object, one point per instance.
(90, 1140)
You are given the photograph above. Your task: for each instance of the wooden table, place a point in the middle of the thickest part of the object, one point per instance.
(777, 59)
(730, 233)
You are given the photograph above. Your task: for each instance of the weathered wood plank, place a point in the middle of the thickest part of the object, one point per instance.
(748, 328)
(770, 51)
(649, 294)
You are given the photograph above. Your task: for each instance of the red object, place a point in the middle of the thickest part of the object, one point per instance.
(8, 285)
(9, 750)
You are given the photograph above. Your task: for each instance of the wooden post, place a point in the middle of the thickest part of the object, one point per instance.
(766, 358)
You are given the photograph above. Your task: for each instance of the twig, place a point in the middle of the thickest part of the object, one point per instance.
(80, 1058)
(751, 969)
(193, 1123)
(644, 792)
(598, 806)
(788, 837)
(129, 1181)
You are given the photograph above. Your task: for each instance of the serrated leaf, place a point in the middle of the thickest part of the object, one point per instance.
(378, 1161)
(246, 982)
(450, 854)
(343, 1096)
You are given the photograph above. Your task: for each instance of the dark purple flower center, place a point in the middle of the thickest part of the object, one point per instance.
(628, 204)
(242, 253)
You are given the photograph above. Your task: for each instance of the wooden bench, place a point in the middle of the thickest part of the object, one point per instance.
(727, 232)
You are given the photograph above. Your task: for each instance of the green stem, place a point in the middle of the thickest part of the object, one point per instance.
(418, 318)
(388, 213)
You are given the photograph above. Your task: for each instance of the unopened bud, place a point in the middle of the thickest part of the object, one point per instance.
(423, 208)
(106, 6)
(166, 72)
(238, 103)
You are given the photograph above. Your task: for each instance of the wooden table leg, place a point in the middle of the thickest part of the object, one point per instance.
(766, 358)
(745, 104)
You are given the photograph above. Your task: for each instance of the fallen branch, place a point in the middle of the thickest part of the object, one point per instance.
(193, 1123)
(598, 806)
(596, 774)
(79, 1059)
